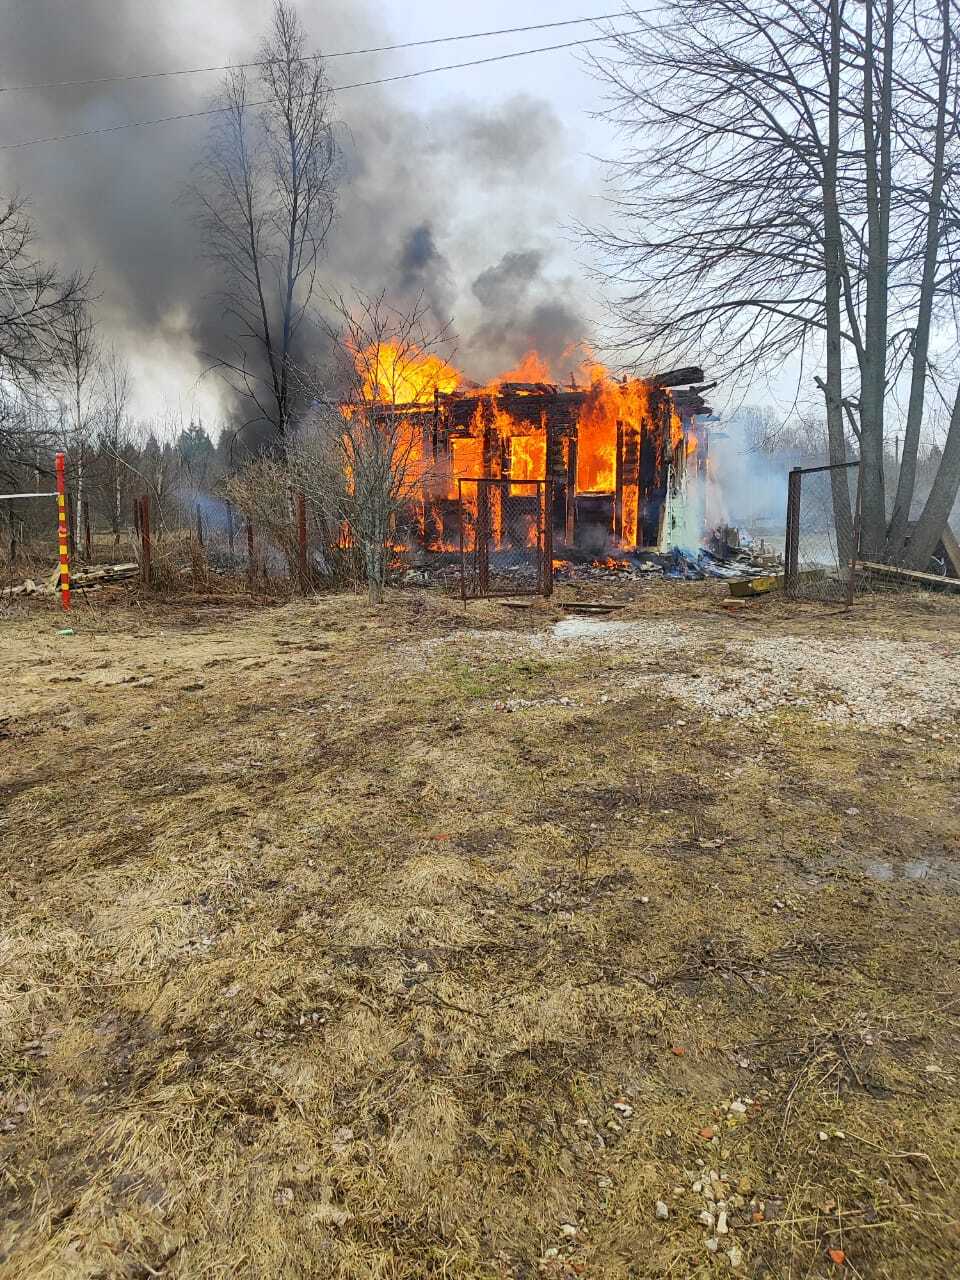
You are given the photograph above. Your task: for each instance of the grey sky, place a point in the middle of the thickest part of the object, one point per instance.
(485, 162)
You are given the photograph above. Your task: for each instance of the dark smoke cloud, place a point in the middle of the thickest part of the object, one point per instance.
(430, 199)
(505, 143)
(524, 310)
(424, 270)
(509, 281)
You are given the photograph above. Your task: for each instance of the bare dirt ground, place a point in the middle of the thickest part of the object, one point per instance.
(411, 942)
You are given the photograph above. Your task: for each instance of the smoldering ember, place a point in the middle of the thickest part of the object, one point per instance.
(479, 636)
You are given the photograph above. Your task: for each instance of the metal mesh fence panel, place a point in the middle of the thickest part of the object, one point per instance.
(504, 538)
(821, 532)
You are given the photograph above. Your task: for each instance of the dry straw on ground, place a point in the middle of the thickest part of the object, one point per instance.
(404, 943)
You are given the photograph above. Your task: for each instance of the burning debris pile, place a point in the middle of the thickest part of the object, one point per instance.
(676, 563)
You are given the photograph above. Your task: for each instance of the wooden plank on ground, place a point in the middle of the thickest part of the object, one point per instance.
(591, 606)
(743, 587)
(908, 575)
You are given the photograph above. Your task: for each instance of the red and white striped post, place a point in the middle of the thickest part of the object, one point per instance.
(62, 532)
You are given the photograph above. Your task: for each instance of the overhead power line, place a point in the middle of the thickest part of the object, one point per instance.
(339, 88)
(341, 53)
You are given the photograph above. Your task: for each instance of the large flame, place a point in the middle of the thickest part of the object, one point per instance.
(399, 373)
(528, 459)
(532, 368)
(612, 410)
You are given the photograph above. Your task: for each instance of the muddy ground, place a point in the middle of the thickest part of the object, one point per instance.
(419, 942)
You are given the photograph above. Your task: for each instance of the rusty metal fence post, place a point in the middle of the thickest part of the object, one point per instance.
(302, 543)
(251, 562)
(547, 539)
(483, 539)
(791, 550)
(462, 544)
(146, 568)
(855, 549)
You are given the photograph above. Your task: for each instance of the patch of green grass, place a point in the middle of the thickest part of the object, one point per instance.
(492, 678)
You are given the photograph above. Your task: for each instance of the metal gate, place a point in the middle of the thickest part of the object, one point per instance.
(822, 533)
(506, 541)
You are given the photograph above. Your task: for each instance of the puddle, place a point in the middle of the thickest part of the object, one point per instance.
(934, 870)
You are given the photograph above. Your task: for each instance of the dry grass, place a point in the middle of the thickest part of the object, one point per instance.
(316, 961)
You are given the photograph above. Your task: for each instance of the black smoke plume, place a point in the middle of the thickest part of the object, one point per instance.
(429, 199)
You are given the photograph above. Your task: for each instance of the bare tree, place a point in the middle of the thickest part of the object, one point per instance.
(35, 302)
(787, 193)
(386, 360)
(115, 434)
(265, 199)
(80, 382)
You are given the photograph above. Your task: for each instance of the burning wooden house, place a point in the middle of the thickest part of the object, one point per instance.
(597, 466)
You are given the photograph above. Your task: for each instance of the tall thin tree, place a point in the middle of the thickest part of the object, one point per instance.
(115, 431)
(79, 373)
(265, 198)
(36, 305)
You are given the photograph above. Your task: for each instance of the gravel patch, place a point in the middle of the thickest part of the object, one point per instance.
(843, 680)
(859, 680)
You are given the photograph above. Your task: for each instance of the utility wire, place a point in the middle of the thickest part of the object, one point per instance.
(339, 88)
(342, 53)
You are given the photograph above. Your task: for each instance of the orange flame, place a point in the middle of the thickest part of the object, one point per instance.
(676, 428)
(621, 566)
(528, 459)
(610, 405)
(398, 373)
(467, 460)
(532, 368)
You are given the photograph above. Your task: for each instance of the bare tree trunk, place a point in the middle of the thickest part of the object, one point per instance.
(928, 530)
(877, 132)
(266, 205)
(78, 532)
(80, 355)
(833, 290)
(116, 495)
(376, 566)
(920, 345)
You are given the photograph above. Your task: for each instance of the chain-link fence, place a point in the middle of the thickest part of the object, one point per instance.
(505, 538)
(822, 532)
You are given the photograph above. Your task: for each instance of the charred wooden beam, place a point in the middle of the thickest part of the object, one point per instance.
(690, 401)
(618, 485)
(380, 409)
(675, 377)
(527, 388)
(570, 521)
